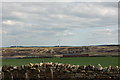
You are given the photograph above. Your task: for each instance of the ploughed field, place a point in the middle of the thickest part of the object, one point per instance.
(104, 61)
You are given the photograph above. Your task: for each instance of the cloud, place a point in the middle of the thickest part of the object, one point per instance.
(62, 1)
(11, 22)
(2, 32)
(60, 16)
(65, 33)
(108, 31)
(45, 20)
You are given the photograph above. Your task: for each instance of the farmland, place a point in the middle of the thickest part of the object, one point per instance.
(51, 51)
(21, 52)
(104, 61)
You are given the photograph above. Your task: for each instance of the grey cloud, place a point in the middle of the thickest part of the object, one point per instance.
(36, 17)
(56, 19)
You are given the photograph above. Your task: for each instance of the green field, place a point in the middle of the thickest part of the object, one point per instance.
(104, 61)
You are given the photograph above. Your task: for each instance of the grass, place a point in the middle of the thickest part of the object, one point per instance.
(104, 61)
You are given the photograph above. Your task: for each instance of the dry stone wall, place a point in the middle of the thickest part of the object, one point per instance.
(59, 71)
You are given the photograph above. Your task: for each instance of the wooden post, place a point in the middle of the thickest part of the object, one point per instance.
(51, 70)
(26, 75)
(11, 75)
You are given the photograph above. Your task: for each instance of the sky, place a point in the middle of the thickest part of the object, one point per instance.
(59, 23)
(60, 0)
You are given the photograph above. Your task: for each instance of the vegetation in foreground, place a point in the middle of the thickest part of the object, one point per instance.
(104, 61)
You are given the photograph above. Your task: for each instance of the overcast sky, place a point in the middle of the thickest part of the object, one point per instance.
(67, 24)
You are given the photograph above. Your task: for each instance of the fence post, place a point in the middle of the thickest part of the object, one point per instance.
(51, 70)
(26, 75)
(11, 75)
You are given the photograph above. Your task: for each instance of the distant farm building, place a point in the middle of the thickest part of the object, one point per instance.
(76, 50)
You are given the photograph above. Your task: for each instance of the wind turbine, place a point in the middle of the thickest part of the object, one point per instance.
(16, 42)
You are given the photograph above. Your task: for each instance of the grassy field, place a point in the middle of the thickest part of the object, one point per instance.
(104, 61)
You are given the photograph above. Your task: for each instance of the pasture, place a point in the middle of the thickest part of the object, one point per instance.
(104, 61)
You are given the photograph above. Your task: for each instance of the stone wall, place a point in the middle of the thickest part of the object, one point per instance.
(59, 71)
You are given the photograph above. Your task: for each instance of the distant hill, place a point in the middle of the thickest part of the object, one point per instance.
(108, 45)
(99, 50)
(61, 46)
